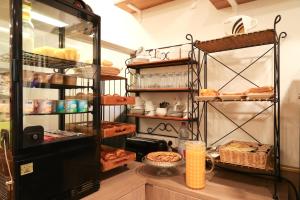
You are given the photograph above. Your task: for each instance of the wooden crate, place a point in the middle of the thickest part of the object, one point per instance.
(248, 154)
(107, 165)
(117, 100)
(112, 129)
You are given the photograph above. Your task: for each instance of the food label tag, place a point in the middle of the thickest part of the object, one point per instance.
(26, 169)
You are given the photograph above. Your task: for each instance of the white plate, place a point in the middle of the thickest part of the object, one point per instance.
(259, 96)
(232, 97)
(205, 98)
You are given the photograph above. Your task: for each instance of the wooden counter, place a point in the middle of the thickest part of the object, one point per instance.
(139, 182)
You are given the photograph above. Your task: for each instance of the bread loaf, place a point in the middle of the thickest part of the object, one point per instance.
(208, 92)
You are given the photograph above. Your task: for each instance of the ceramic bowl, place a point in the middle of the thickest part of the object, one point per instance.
(161, 111)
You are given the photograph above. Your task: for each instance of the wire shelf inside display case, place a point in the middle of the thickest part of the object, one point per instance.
(46, 61)
(56, 113)
(53, 86)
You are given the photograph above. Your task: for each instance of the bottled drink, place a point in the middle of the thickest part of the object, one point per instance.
(183, 136)
(28, 28)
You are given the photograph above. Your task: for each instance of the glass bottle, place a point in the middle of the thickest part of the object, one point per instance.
(28, 28)
(183, 137)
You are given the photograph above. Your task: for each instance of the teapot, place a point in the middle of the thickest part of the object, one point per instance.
(239, 24)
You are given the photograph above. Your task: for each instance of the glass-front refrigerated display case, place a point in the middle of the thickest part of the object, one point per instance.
(49, 99)
(5, 144)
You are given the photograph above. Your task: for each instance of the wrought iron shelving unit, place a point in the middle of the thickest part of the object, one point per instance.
(192, 65)
(255, 39)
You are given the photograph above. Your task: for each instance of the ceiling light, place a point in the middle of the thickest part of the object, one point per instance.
(48, 20)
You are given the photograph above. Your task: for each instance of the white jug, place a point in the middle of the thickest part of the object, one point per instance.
(239, 24)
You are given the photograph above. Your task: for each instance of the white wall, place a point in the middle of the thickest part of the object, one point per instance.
(117, 26)
(169, 23)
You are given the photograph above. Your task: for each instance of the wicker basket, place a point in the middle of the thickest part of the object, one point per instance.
(248, 154)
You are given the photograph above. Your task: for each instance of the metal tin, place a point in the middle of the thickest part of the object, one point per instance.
(60, 106)
(71, 105)
(82, 105)
(45, 106)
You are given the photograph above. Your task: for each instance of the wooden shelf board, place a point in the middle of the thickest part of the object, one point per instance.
(111, 77)
(220, 4)
(232, 42)
(161, 90)
(159, 117)
(162, 63)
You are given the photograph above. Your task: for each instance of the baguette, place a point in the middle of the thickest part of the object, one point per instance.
(265, 89)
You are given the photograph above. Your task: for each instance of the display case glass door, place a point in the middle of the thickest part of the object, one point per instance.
(59, 66)
(5, 99)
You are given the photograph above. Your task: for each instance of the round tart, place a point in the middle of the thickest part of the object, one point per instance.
(164, 156)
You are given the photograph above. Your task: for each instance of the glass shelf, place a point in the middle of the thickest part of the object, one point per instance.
(55, 113)
(162, 63)
(54, 86)
(37, 60)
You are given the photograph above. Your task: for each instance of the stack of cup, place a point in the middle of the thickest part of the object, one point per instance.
(138, 107)
(149, 108)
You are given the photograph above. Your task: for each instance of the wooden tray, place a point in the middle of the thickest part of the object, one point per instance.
(117, 100)
(112, 129)
(107, 165)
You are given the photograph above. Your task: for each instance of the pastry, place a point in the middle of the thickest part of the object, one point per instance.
(265, 89)
(208, 92)
(106, 63)
(109, 156)
(164, 156)
(120, 153)
(69, 80)
(56, 78)
(82, 95)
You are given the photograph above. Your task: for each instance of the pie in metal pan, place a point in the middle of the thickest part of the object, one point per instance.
(163, 159)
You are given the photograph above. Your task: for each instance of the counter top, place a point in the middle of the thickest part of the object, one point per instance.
(222, 185)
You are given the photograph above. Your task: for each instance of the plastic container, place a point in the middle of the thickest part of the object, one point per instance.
(71, 106)
(60, 106)
(45, 106)
(82, 105)
(183, 137)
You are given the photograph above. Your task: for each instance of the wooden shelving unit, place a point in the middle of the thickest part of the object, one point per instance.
(190, 89)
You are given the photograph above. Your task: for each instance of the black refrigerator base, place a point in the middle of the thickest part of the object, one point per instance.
(69, 171)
